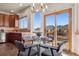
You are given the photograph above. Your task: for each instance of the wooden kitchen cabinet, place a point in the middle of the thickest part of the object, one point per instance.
(1, 20)
(6, 20)
(16, 21)
(11, 21)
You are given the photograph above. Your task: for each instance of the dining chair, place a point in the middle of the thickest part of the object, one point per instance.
(25, 50)
(51, 51)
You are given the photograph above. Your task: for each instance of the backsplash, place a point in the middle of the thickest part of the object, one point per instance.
(7, 29)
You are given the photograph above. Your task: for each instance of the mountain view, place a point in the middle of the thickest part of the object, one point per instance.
(61, 29)
(51, 27)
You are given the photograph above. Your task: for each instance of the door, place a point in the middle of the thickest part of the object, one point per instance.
(50, 28)
(63, 18)
(62, 29)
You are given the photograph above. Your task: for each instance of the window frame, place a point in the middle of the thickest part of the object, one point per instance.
(69, 10)
(26, 20)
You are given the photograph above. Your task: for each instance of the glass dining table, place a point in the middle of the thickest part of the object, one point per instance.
(41, 45)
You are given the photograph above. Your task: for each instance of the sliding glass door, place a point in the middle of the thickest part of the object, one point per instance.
(62, 28)
(58, 25)
(50, 28)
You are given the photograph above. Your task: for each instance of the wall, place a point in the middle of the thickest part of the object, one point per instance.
(75, 36)
(5, 13)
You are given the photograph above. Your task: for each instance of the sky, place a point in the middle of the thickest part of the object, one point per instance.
(62, 19)
(37, 20)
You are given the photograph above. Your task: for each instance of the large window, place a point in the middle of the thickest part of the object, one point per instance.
(62, 27)
(23, 23)
(57, 28)
(37, 21)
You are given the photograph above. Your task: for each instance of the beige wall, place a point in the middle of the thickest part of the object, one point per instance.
(75, 37)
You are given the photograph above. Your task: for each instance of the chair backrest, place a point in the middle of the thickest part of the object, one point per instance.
(43, 37)
(61, 46)
(19, 45)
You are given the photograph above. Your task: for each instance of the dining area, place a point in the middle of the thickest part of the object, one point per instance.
(37, 45)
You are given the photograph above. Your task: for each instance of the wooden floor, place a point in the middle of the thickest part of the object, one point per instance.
(8, 49)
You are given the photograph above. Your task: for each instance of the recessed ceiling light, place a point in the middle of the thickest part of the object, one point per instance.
(12, 11)
(33, 5)
(41, 4)
(18, 14)
(20, 4)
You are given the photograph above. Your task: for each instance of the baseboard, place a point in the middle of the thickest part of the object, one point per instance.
(74, 53)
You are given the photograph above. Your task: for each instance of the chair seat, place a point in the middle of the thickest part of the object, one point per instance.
(33, 52)
(47, 52)
(55, 53)
(24, 53)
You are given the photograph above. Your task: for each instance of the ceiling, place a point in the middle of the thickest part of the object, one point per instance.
(15, 8)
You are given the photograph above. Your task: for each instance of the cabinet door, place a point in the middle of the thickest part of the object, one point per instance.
(6, 20)
(11, 21)
(1, 19)
(16, 21)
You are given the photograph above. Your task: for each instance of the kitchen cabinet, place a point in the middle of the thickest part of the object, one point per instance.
(1, 19)
(8, 20)
(11, 21)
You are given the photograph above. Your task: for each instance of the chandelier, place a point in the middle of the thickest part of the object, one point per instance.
(39, 7)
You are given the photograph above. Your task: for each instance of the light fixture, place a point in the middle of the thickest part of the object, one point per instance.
(43, 10)
(12, 11)
(18, 13)
(33, 5)
(39, 7)
(46, 7)
(20, 4)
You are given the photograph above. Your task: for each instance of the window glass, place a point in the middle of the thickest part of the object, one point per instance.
(37, 21)
(23, 23)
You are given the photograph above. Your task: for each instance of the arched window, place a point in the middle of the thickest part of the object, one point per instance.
(37, 21)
